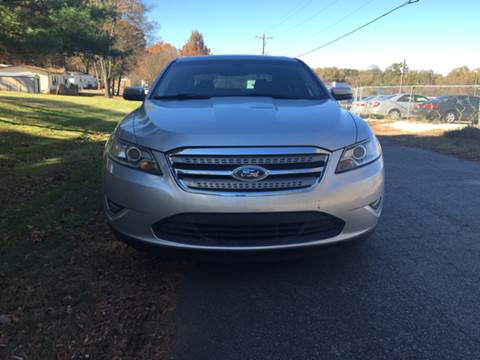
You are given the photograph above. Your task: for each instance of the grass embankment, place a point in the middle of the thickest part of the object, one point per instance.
(463, 143)
(67, 288)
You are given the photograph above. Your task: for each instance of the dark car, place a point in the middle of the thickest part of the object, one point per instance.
(450, 108)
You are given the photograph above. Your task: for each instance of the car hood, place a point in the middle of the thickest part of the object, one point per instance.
(237, 121)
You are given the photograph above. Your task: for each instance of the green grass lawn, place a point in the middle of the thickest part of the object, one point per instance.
(67, 288)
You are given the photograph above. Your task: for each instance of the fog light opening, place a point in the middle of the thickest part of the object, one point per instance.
(114, 207)
(376, 204)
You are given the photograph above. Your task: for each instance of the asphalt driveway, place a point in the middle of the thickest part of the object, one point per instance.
(411, 292)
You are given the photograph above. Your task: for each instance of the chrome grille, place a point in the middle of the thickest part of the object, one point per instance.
(211, 169)
(245, 160)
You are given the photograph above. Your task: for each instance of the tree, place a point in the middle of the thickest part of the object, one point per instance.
(195, 45)
(42, 32)
(152, 61)
(393, 74)
(329, 74)
(374, 76)
(131, 42)
(460, 75)
(127, 28)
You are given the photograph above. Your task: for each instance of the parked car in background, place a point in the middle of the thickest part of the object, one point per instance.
(396, 106)
(450, 108)
(346, 104)
(360, 107)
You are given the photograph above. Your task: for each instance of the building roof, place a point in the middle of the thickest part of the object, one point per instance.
(33, 69)
(18, 74)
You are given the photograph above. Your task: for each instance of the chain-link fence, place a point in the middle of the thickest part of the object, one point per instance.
(432, 103)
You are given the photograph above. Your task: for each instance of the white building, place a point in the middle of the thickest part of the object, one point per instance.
(21, 82)
(83, 81)
(48, 79)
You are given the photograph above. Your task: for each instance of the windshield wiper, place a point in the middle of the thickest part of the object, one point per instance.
(181, 97)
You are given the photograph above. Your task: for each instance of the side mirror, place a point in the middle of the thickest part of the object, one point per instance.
(341, 92)
(134, 93)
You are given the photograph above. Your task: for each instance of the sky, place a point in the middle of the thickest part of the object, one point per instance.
(431, 34)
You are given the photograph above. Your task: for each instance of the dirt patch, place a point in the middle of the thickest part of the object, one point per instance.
(452, 139)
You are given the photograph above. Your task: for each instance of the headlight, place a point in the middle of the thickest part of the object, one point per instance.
(359, 154)
(132, 155)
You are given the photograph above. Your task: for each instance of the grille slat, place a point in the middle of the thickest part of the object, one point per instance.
(229, 173)
(230, 184)
(248, 229)
(211, 169)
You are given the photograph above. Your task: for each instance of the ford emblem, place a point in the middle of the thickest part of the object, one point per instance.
(250, 173)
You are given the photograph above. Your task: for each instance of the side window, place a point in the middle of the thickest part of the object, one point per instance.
(404, 98)
(475, 101)
(420, 99)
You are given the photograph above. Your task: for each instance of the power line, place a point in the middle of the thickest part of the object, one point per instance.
(313, 16)
(291, 13)
(264, 41)
(409, 2)
(344, 17)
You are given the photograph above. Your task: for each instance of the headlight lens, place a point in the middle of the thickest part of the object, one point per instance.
(359, 154)
(132, 155)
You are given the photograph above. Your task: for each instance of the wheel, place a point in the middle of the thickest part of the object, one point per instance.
(394, 115)
(450, 116)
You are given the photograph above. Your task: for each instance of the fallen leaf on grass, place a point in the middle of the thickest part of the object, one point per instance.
(36, 235)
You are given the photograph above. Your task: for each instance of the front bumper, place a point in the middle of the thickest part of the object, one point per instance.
(148, 199)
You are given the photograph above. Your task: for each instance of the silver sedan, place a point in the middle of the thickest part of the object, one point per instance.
(395, 107)
(241, 153)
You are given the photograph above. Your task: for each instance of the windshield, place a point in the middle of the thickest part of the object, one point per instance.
(203, 79)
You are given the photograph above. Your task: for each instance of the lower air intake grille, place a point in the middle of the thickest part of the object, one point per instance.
(248, 229)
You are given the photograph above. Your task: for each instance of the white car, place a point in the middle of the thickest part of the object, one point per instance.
(396, 106)
(360, 107)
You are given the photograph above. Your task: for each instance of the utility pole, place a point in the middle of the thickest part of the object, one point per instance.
(475, 94)
(264, 41)
(404, 65)
(476, 82)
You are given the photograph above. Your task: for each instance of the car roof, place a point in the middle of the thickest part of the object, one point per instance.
(451, 96)
(235, 57)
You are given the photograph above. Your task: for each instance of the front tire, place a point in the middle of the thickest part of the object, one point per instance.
(450, 117)
(394, 115)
